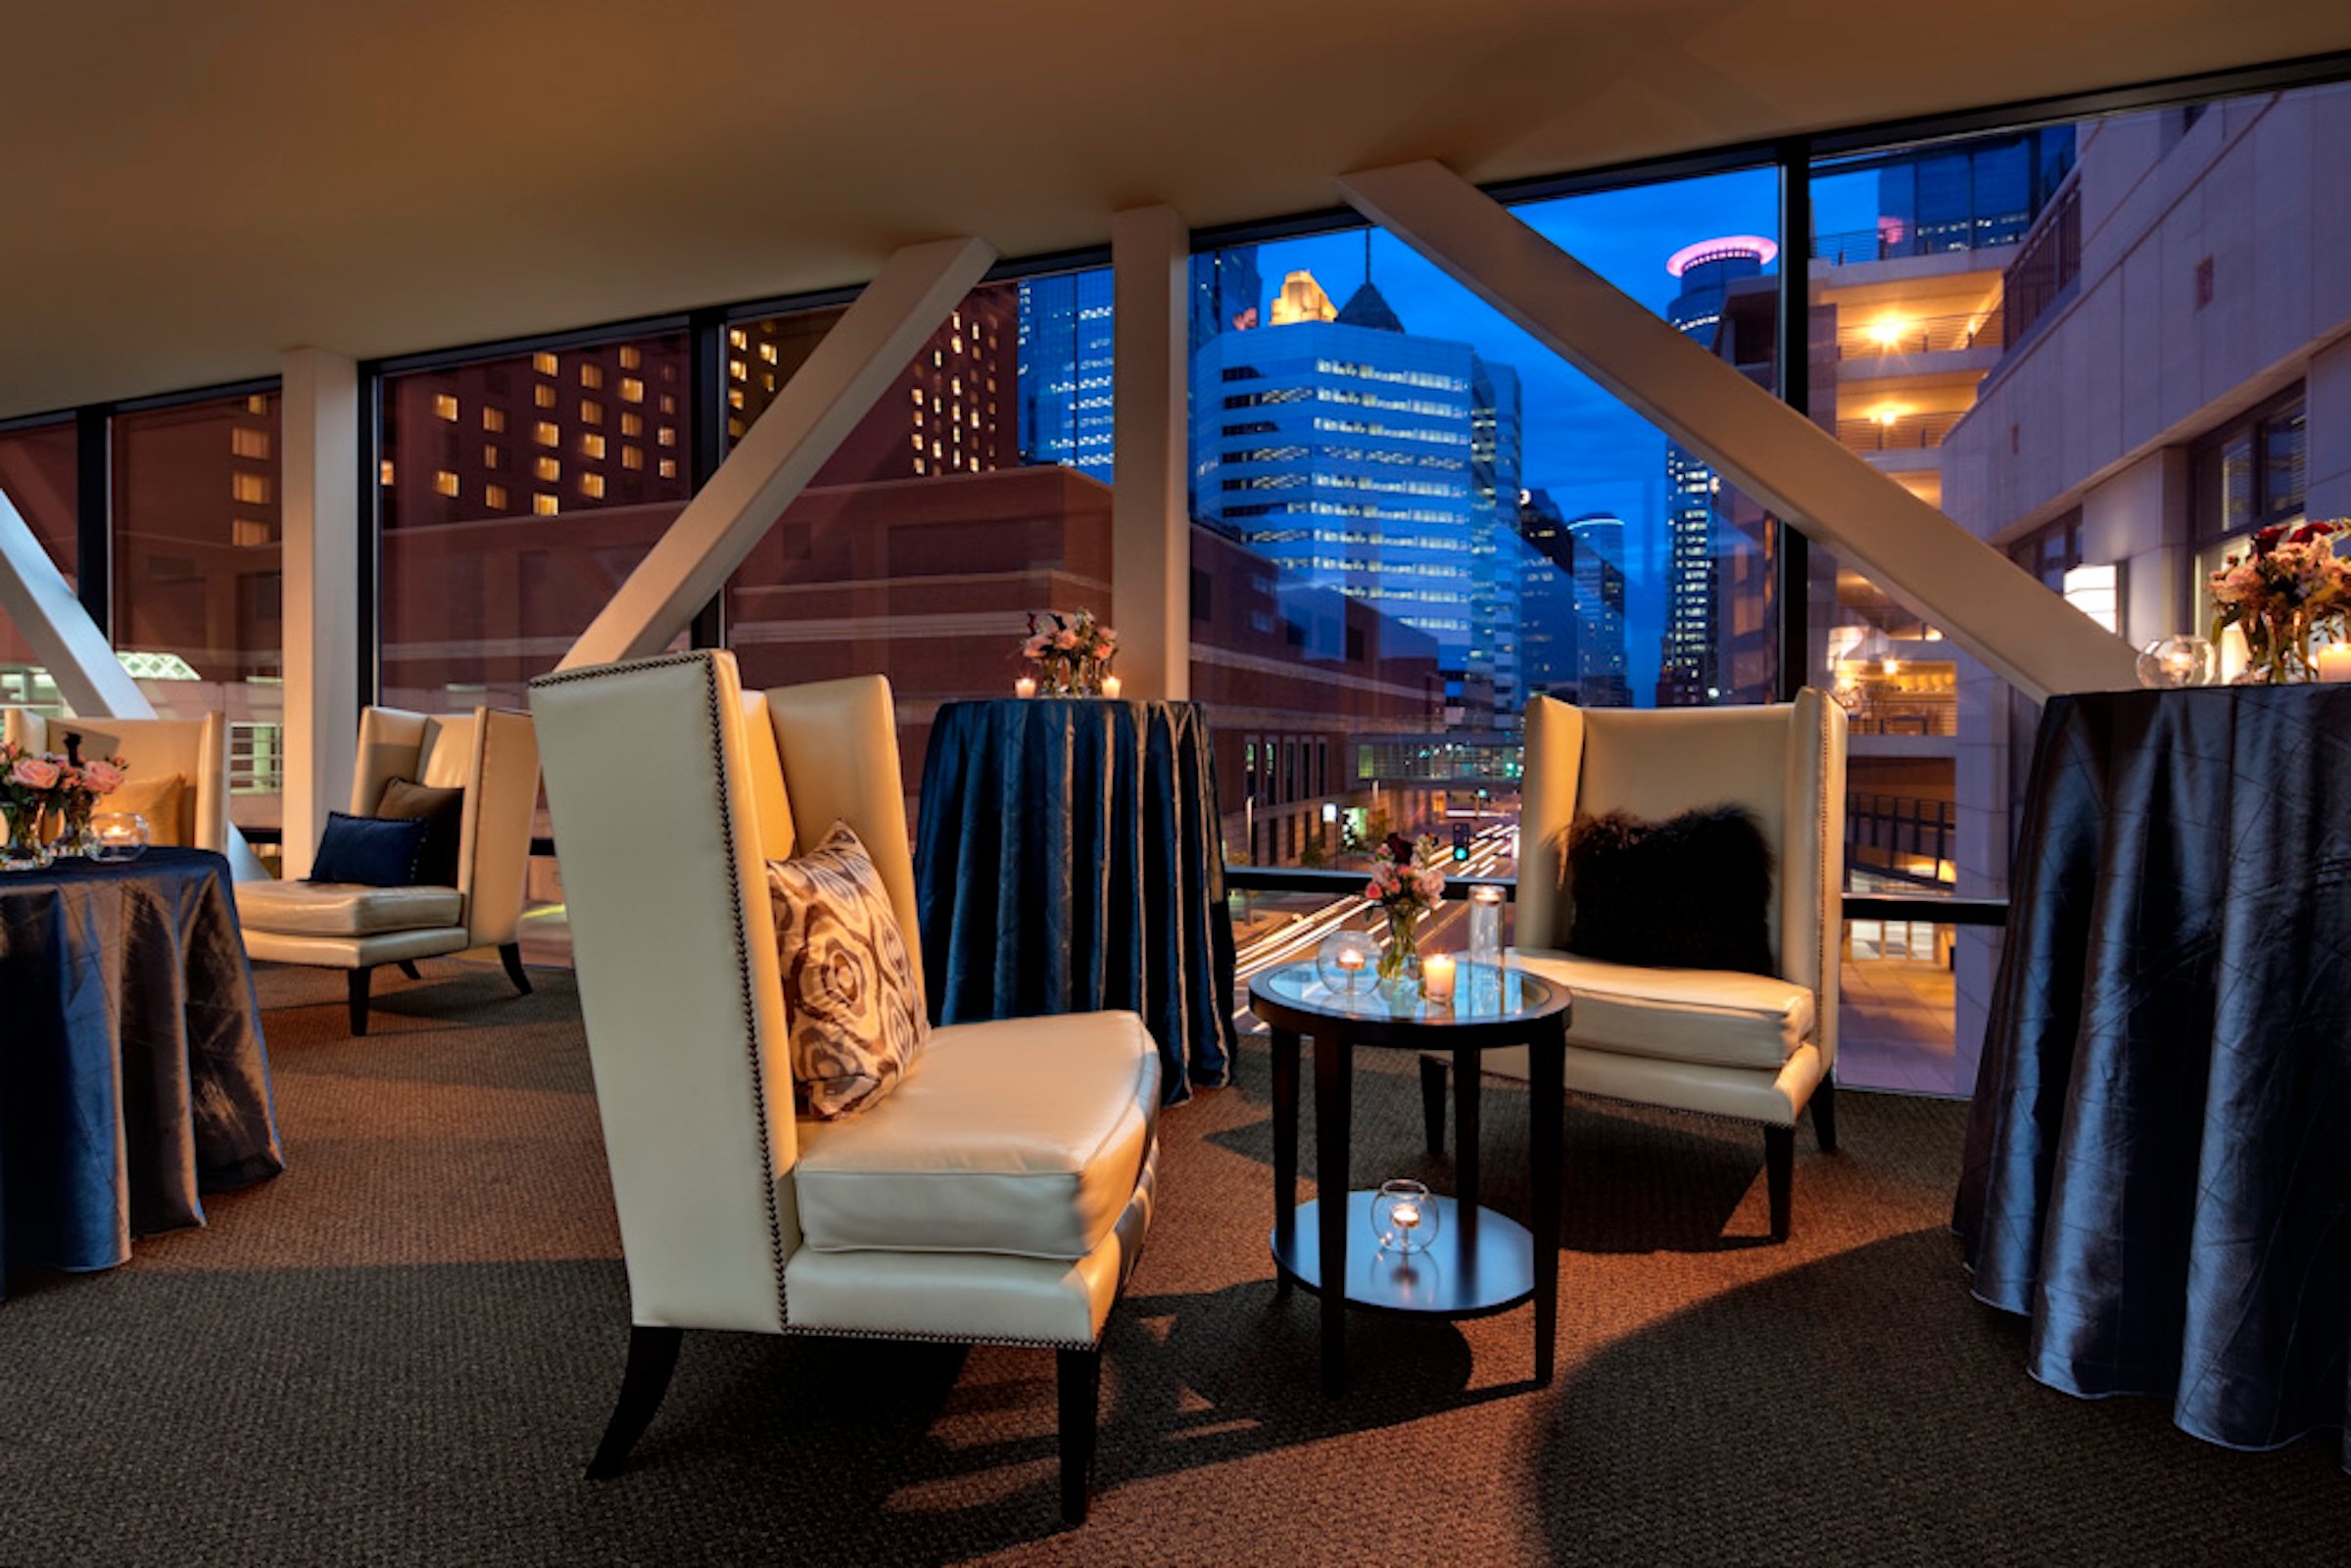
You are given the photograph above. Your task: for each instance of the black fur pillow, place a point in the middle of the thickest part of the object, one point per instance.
(1691, 892)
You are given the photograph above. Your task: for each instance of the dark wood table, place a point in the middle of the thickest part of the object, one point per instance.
(1481, 1262)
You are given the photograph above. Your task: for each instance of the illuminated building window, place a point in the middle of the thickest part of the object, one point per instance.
(631, 356)
(667, 437)
(917, 440)
(918, 464)
(669, 405)
(591, 485)
(735, 397)
(547, 469)
(494, 421)
(918, 396)
(669, 468)
(248, 532)
(253, 444)
(738, 339)
(632, 457)
(547, 434)
(768, 381)
(250, 489)
(494, 497)
(445, 406)
(544, 363)
(632, 389)
(590, 413)
(258, 402)
(631, 424)
(493, 457)
(592, 446)
(736, 370)
(544, 505)
(917, 420)
(767, 352)
(543, 395)
(591, 375)
(445, 483)
(383, 472)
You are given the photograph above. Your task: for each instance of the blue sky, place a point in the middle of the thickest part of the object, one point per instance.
(1592, 453)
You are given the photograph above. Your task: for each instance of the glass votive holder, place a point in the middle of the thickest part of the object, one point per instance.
(1404, 1217)
(1437, 971)
(117, 835)
(2185, 659)
(1485, 925)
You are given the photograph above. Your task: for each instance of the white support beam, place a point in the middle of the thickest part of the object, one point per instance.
(320, 446)
(814, 412)
(36, 597)
(1150, 529)
(1937, 570)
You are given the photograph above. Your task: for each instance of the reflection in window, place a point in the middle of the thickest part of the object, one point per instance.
(38, 475)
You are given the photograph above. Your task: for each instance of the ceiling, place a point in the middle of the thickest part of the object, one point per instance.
(191, 189)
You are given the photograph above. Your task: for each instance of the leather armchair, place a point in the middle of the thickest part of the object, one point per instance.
(197, 749)
(490, 754)
(999, 1195)
(1753, 1047)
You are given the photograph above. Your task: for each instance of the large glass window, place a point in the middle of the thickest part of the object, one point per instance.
(517, 494)
(198, 582)
(38, 477)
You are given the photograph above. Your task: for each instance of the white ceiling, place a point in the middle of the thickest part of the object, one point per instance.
(187, 189)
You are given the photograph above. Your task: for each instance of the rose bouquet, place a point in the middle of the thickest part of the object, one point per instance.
(1404, 889)
(28, 789)
(1071, 652)
(2289, 585)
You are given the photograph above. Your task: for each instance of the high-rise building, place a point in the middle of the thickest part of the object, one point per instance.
(1690, 663)
(1360, 457)
(1226, 288)
(1066, 345)
(1600, 678)
(1548, 626)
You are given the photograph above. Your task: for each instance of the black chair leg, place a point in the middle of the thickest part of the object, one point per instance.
(355, 985)
(1824, 1115)
(1779, 1172)
(1432, 1102)
(1078, 1374)
(512, 956)
(652, 1357)
(408, 967)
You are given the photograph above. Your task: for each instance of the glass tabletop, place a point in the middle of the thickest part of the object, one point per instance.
(1482, 993)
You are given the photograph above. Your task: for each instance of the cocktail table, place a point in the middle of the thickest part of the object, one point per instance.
(1482, 1261)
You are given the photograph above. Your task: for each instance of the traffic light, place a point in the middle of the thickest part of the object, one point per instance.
(1461, 842)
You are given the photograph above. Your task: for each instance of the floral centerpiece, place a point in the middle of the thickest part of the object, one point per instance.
(1404, 889)
(36, 785)
(1071, 652)
(2289, 585)
(79, 788)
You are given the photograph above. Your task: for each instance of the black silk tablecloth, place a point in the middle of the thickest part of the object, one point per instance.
(132, 1075)
(2158, 1165)
(1067, 860)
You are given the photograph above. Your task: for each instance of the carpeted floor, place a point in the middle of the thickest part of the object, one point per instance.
(403, 1349)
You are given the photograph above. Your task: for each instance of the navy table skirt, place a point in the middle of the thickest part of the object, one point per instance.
(1067, 860)
(2158, 1165)
(132, 1073)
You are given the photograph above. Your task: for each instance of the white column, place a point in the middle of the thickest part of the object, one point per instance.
(1150, 530)
(1937, 570)
(817, 408)
(320, 518)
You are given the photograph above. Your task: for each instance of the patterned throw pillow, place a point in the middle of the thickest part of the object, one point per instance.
(856, 1013)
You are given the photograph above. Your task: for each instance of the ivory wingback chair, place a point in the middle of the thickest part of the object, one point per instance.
(998, 1194)
(1753, 1047)
(195, 750)
(490, 754)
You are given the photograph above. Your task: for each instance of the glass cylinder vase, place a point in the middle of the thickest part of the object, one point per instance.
(23, 848)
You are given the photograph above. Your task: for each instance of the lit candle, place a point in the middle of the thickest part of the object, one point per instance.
(2334, 662)
(1024, 687)
(1436, 977)
(1110, 686)
(1406, 1215)
(1351, 959)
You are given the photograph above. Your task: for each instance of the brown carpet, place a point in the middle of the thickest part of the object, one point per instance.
(404, 1348)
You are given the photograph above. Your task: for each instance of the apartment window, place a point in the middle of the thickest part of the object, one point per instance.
(445, 483)
(592, 413)
(494, 497)
(250, 489)
(250, 444)
(544, 363)
(445, 406)
(545, 434)
(546, 468)
(632, 389)
(591, 375)
(544, 505)
(544, 396)
(2250, 472)
(592, 445)
(631, 356)
(2051, 550)
(494, 421)
(591, 485)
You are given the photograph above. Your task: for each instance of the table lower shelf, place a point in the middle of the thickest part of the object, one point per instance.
(1472, 1269)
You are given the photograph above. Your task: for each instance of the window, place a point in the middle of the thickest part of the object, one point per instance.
(39, 476)
(445, 483)
(494, 421)
(445, 406)
(2250, 472)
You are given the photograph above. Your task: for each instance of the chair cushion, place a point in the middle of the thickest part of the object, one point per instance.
(156, 798)
(1023, 1137)
(444, 814)
(345, 908)
(1717, 1017)
(365, 849)
(1693, 891)
(854, 1011)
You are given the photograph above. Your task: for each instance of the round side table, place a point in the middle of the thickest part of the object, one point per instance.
(1482, 1261)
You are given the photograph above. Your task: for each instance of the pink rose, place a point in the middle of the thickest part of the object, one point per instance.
(102, 776)
(1065, 639)
(35, 773)
(1101, 651)
(1371, 892)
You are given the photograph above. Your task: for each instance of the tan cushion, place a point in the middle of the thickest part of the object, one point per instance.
(1023, 1137)
(156, 798)
(1714, 1016)
(345, 908)
(854, 1009)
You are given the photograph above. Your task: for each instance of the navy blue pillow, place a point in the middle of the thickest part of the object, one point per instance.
(379, 852)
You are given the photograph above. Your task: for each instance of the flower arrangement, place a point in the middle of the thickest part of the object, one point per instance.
(2289, 585)
(1404, 889)
(1071, 652)
(34, 784)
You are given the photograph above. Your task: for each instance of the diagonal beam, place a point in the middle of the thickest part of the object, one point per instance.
(817, 408)
(45, 609)
(1937, 570)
